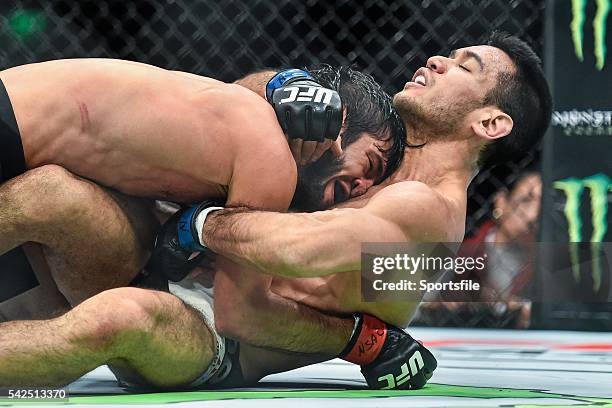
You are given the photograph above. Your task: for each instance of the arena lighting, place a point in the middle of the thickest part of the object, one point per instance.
(24, 23)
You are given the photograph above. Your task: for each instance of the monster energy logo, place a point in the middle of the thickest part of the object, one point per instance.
(598, 186)
(599, 29)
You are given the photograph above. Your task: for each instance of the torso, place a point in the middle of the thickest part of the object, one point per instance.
(137, 128)
(341, 293)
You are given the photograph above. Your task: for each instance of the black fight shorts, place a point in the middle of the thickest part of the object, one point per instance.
(16, 275)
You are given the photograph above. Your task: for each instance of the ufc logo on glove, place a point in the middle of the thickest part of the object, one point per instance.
(415, 362)
(307, 94)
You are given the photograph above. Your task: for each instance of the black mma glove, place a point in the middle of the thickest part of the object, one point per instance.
(176, 242)
(305, 109)
(388, 356)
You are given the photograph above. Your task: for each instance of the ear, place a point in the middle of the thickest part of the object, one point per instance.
(491, 123)
(500, 202)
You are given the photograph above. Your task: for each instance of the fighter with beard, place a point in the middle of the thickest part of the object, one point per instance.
(145, 131)
(477, 107)
(90, 238)
(498, 102)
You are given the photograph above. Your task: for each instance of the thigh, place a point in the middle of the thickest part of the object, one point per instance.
(104, 243)
(172, 348)
(92, 238)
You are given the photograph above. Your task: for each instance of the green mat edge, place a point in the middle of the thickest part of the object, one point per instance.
(432, 390)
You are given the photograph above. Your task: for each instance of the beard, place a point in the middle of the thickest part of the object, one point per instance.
(440, 119)
(311, 182)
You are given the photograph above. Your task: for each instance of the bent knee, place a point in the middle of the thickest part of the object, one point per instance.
(105, 317)
(50, 191)
(48, 179)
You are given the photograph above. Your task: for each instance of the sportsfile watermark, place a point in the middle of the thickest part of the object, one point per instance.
(486, 272)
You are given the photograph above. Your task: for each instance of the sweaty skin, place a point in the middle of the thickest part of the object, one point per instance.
(146, 131)
(398, 211)
(315, 247)
(424, 201)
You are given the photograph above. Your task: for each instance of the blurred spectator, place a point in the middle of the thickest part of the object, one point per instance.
(514, 226)
(506, 242)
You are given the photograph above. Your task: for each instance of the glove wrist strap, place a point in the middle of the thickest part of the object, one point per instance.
(188, 234)
(367, 340)
(199, 221)
(282, 78)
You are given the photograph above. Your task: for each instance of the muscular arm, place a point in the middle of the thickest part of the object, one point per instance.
(321, 243)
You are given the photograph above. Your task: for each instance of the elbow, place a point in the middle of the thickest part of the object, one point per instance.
(228, 316)
(230, 325)
(237, 318)
(226, 328)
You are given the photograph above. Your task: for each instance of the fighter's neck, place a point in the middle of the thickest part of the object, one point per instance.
(437, 162)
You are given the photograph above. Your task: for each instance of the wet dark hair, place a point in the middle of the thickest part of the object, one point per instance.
(368, 109)
(524, 95)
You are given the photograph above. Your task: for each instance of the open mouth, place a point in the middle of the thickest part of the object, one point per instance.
(419, 78)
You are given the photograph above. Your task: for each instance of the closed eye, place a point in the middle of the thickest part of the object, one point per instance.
(464, 68)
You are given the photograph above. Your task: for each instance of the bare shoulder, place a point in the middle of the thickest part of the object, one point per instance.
(242, 110)
(420, 210)
(235, 100)
(264, 171)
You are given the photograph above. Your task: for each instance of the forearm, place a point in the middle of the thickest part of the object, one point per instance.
(289, 245)
(290, 326)
(258, 362)
(246, 309)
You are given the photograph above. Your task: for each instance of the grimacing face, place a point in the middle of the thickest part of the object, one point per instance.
(440, 95)
(330, 180)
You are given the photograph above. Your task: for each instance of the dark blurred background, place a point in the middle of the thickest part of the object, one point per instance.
(226, 39)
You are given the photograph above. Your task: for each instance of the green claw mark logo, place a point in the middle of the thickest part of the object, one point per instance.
(599, 29)
(598, 186)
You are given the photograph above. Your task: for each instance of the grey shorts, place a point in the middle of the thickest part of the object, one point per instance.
(224, 370)
(202, 300)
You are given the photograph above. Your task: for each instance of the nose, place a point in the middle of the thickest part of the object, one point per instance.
(438, 64)
(360, 185)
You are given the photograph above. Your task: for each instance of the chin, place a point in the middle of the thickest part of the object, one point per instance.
(408, 109)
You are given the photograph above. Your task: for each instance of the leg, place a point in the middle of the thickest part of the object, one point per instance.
(42, 301)
(85, 230)
(153, 334)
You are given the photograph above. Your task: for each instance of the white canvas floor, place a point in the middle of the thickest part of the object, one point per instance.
(477, 368)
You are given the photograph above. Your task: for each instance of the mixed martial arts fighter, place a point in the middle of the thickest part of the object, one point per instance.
(480, 89)
(150, 132)
(473, 109)
(368, 109)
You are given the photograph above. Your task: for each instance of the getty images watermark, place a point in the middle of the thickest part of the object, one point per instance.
(428, 265)
(482, 272)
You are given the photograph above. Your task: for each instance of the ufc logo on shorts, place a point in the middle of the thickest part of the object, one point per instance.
(307, 94)
(415, 362)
